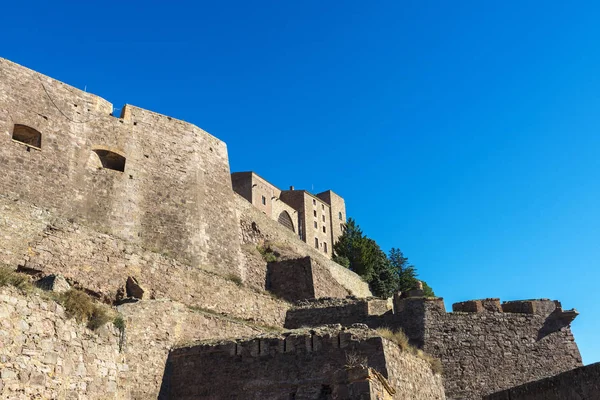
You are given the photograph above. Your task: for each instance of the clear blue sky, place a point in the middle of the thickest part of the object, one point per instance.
(465, 133)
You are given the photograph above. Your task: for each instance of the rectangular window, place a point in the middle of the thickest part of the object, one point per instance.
(264, 200)
(314, 202)
(325, 246)
(315, 224)
(340, 215)
(324, 230)
(323, 218)
(317, 243)
(315, 212)
(322, 206)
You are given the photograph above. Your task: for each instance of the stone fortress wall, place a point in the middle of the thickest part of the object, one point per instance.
(484, 346)
(101, 199)
(320, 364)
(581, 383)
(174, 193)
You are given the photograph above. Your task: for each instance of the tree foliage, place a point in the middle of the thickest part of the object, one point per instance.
(385, 274)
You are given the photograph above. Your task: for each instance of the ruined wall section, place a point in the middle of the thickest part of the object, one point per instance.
(258, 229)
(581, 383)
(489, 349)
(307, 365)
(44, 354)
(174, 193)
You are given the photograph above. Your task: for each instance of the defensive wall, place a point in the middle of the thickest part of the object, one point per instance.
(302, 278)
(484, 346)
(324, 363)
(144, 177)
(581, 383)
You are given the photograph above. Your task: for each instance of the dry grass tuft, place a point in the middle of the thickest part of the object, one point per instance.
(9, 277)
(80, 306)
(235, 279)
(401, 340)
(397, 337)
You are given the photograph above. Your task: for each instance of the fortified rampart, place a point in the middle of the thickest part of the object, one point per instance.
(144, 201)
(320, 364)
(484, 346)
(144, 177)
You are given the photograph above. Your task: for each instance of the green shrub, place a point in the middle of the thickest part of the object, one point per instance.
(119, 323)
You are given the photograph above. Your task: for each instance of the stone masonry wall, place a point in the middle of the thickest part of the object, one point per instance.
(101, 263)
(174, 193)
(581, 383)
(154, 327)
(257, 228)
(302, 278)
(337, 311)
(489, 350)
(44, 355)
(301, 365)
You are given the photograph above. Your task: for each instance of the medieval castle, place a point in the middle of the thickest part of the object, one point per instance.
(140, 211)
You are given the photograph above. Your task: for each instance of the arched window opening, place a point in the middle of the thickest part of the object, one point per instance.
(111, 160)
(285, 220)
(27, 135)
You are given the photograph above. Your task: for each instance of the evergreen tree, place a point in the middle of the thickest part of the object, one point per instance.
(384, 274)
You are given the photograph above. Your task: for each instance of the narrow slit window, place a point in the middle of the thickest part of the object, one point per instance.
(27, 135)
(111, 160)
(317, 243)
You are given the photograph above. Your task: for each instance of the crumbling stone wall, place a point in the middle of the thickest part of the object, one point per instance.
(489, 348)
(174, 194)
(581, 383)
(257, 228)
(44, 354)
(319, 364)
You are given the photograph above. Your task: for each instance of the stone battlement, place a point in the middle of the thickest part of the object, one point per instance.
(330, 362)
(299, 340)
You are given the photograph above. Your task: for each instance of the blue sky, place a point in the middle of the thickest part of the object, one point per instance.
(464, 133)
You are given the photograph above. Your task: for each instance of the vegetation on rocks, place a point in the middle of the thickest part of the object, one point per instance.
(401, 340)
(9, 277)
(385, 274)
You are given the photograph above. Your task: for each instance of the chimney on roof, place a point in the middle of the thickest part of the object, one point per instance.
(291, 188)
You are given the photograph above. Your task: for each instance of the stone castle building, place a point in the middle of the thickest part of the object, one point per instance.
(140, 212)
(317, 219)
